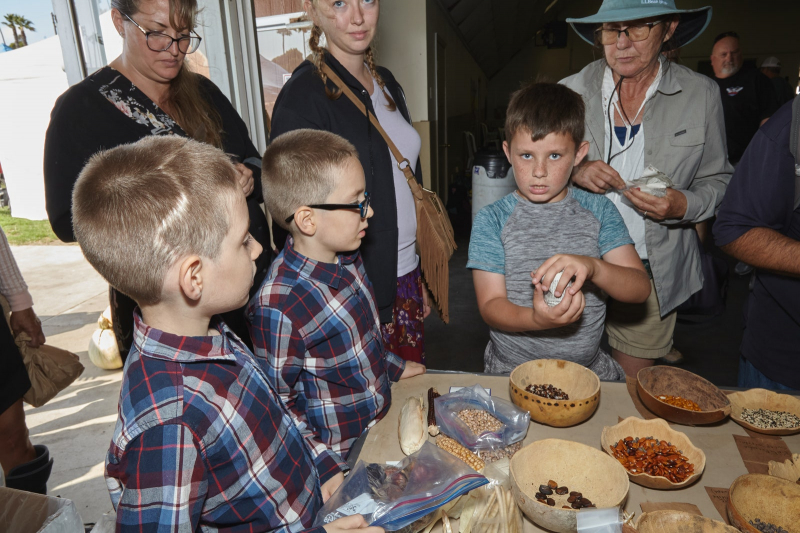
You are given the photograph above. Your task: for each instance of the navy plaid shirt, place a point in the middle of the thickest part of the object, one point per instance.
(202, 443)
(316, 327)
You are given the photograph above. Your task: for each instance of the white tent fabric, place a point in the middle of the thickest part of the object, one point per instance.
(31, 79)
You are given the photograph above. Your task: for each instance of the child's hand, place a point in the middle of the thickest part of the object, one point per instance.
(566, 312)
(349, 523)
(578, 266)
(412, 369)
(330, 486)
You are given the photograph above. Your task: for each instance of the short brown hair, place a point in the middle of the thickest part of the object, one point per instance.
(139, 207)
(544, 108)
(301, 168)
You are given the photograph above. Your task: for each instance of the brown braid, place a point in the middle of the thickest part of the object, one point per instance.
(370, 59)
(317, 57)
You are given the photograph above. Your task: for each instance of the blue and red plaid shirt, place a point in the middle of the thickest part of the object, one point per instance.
(203, 443)
(316, 327)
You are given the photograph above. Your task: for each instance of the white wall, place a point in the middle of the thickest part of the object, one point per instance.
(401, 46)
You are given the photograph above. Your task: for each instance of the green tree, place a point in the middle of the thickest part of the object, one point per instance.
(24, 24)
(10, 20)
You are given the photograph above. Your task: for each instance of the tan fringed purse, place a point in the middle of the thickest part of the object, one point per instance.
(435, 240)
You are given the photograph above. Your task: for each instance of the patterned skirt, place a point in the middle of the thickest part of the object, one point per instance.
(405, 336)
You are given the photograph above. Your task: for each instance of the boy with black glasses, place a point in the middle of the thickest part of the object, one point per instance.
(314, 322)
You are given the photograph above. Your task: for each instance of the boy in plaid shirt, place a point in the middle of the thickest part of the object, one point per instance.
(202, 442)
(314, 321)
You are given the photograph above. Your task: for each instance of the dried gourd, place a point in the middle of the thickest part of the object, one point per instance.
(411, 427)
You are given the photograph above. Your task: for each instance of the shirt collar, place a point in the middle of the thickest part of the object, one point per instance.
(159, 344)
(328, 273)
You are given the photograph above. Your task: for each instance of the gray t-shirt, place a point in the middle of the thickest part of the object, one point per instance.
(513, 237)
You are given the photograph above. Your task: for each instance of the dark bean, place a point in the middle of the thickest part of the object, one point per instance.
(572, 499)
(552, 484)
(574, 493)
(544, 489)
(576, 505)
(539, 496)
(562, 490)
(586, 502)
(566, 507)
(551, 502)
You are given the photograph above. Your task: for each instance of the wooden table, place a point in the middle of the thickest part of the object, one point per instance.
(723, 460)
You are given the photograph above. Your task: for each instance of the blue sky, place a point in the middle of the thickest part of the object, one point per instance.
(38, 12)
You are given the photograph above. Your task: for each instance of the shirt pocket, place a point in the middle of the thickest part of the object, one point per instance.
(685, 151)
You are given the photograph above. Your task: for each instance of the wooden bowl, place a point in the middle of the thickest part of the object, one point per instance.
(666, 380)
(680, 522)
(581, 468)
(581, 384)
(763, 399)
(659, 429)
(769, 498)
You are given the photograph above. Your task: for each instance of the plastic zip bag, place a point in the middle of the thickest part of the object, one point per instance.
(515, 421)
(405, 497)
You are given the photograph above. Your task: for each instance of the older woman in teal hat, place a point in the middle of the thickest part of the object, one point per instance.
(643, 111)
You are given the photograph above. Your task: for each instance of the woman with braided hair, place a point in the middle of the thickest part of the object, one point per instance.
(311, 100)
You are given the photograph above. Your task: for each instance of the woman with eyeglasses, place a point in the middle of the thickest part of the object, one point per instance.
(148, 90)
(310, 99)
(643, 110)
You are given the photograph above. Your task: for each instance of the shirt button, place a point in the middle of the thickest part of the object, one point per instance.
(649, 152)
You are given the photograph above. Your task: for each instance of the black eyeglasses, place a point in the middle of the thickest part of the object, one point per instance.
(160, 42)
(363, 207)
(634, 33)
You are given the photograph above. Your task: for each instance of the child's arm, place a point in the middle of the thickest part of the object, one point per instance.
(620, 273)
(500, 313)
(280, 349)
(162, 476)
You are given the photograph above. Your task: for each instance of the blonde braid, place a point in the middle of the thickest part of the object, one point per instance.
(370, 59)
(317, 58)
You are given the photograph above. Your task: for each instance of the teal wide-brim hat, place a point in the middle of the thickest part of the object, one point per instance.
(692, 21)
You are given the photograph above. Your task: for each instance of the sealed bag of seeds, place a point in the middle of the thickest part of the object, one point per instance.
(479, 421)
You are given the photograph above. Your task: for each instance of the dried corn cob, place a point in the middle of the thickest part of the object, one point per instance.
(433, 429)
(454, 448)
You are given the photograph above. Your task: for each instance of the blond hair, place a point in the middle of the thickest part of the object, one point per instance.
(138, 208)
(318, 58)
(300, 168)
(189, 106)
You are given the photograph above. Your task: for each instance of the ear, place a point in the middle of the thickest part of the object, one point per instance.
(583, 149)
(305, 220)
(671, 27)
(119, 22)
(507, 150)
(190, 277)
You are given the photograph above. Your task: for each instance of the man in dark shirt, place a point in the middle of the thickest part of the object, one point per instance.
(757, 223)
(748, 99)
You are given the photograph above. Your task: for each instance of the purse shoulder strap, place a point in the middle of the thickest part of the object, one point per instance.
(409, 174)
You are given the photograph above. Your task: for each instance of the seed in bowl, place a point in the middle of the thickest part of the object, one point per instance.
(766, 527)
(678, 401)
(653, 457)
(575, 500)
(768, 419)
(547, 391)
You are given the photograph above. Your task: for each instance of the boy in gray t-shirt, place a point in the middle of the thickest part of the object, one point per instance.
(521, 242)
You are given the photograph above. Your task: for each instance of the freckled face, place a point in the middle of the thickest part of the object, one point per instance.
(542, 168)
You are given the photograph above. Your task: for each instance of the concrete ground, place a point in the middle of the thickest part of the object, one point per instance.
(77, 424)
